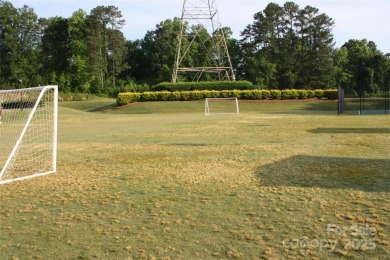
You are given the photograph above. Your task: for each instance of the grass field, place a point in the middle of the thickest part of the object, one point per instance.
(282, 180)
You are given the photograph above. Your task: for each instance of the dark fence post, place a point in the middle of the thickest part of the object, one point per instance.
(341, 102)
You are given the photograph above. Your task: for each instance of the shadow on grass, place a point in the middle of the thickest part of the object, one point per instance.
(350, 131)
(327, 172)
(103, 108)
(189, 145)
(321, 106)
(303, 107)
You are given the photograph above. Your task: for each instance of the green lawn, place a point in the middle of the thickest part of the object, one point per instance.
(163, 181)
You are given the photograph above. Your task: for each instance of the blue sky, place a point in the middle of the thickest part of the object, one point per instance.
(355, 19)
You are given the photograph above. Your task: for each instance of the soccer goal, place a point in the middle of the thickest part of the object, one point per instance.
(221, 106)
(28, 132)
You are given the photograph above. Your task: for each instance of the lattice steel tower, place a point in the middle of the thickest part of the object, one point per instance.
(201, 32)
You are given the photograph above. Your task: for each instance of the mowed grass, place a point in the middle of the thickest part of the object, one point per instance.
(282, 180)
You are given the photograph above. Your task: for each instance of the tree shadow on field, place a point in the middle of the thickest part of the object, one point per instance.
(103, 108)
(351, 131)
(189, 145)
(303, 107)
(327, 172)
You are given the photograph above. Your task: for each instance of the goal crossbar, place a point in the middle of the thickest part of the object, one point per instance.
(28, 129)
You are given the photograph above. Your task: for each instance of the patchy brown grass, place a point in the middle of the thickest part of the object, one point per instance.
(186, 186)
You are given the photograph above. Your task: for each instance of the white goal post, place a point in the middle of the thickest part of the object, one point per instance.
(28, 133)
(221, 106)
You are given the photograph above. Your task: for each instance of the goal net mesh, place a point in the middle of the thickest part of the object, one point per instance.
(221, 106)
(28, 132)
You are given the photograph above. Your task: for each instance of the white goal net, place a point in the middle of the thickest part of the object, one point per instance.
(221, 106)
(28, 132)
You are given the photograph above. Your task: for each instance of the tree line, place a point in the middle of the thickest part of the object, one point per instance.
(285, 47)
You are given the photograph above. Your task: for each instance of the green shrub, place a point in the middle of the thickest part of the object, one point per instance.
(211, 93)
(276, 94)
(148, 96)
(195, 95)
(266, 94)
(310, 93)
(127, 97)
(130, 97)
(185, 96)
(163, 95)
(247, 94)
(175, 95)
(303, 94)
(331, 94)
(289, 94)
(319, 93)
(225, 94)
(236, 93)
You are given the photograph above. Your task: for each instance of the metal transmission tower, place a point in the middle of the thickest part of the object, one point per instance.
(201, 32)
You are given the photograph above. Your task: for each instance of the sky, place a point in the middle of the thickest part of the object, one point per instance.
(354, 19)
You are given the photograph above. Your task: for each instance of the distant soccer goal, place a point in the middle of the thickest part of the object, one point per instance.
(28, 132)
(221, 106)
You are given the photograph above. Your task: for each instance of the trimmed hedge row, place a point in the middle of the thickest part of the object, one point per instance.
(204, 85)
(130, 97)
